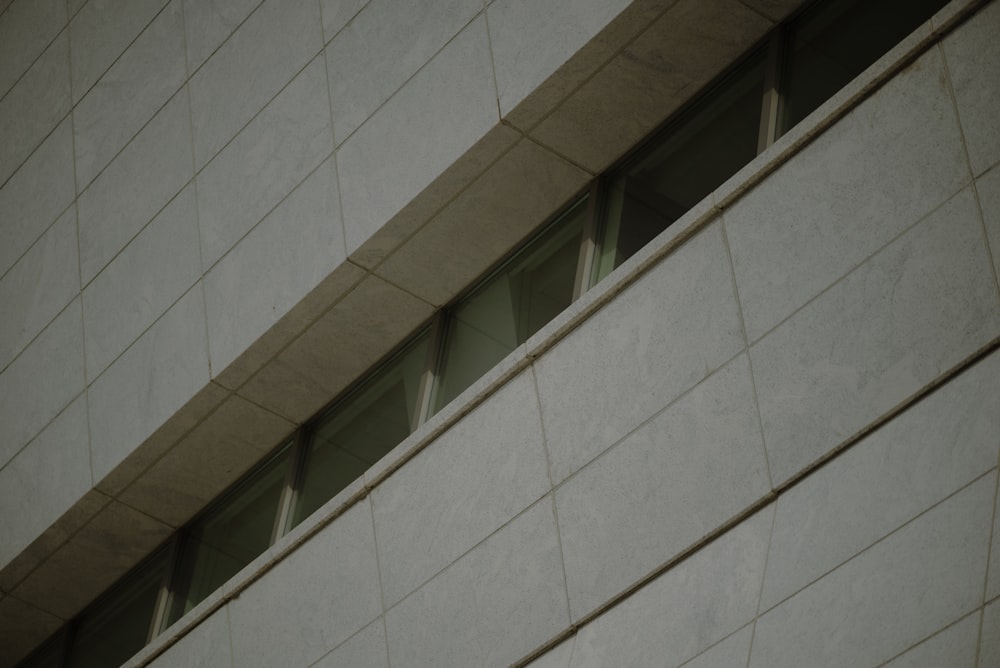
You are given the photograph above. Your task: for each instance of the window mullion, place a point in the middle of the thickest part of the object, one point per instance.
(772, 91)
(425, 394)
(293, 476)
(588, 243)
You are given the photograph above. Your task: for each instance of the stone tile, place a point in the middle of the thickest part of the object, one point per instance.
(194, 410)
(680, 53)
(208, 24)
(44, 480)
(321, 594)
(142, 282)
(889, 597)
(531, 40)
(428, 124)
(337, 14)
(365, 648)
(896, 323)
(34, 106)
(146, 75)
(135, 186)
(732, 652)
(989, 646)
(381, 48)
(36, 194)
(491, 607)
(207, 461)
(26, 28)
(280, 260)
(776, 10)
(253, 357)
(494, 464)
(164, 368)
(81, 512)
(686, 610)
(206, 646)
(42, 381)
(686, 306)
(22, 628)
(557, 657)
(371, 251)
(993, 582)
(100, 32)
(988, 189)
(955, 646)
(668, 484)
(256, 62)
(820, 214)
(484, 223)
(39, 286)
(973, 56)
(366, 324)
(272, 155)
(937, 446)
(105, 549)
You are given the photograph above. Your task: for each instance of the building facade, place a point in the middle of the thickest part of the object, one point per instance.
(674, 325)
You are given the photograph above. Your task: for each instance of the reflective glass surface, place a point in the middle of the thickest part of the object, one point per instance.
(525, 294)
(121, 623)
(692, 157)
(231, 535)
(835, 41)
(358, 431)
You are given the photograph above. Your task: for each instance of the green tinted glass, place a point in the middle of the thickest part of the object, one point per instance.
(231, 535)
(525, 294)
(121, 624)
(358, 431)
(706, 145)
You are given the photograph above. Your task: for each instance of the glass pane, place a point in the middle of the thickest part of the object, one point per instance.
(49, 654)
(119, 625)
(835, 41)
(232, 534)
(357, 432)
(525, 294)
(701, 149)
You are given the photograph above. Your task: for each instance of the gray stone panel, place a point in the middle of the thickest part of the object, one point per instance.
(42, 381)
(100, 32)
(955, 647)
(154, 378)
(463, 487)
(658, 338)
(135, 186)
(993, 583)
(973, 55)
(492, 607)
(320, 595)
(558, 657)
(142, 282)
(686, 610)
(25, 30)
(669, 483)
(365, 649)
(34, 106)
(206, 646)
(208, 24)
(988, 189)
(44, 480)
(879, 170)
(889, 597)
(256, 62)
(428, 124)
(913, 310)
(936, 447)
(382, 47)
(733, 652)
(146, 75)
(989, 645)
(269, 157)
(280, 260)
(36, 194)
(337, 14)
(38, 287)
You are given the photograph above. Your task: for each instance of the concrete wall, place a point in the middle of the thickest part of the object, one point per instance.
(197, 200)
